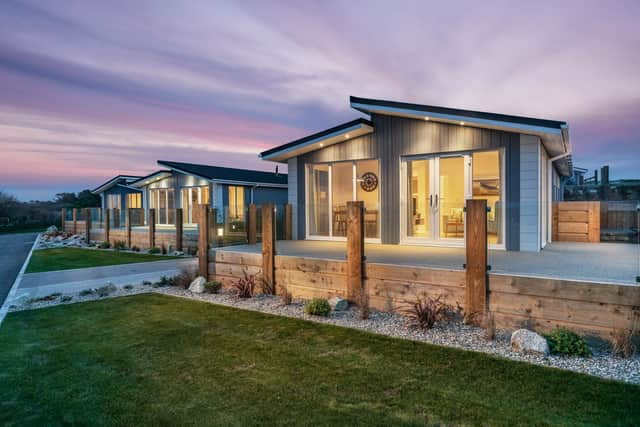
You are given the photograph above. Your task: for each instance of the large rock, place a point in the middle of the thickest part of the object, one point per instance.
(528, 342)
(52, 229)
(338, 304)
(197, 286)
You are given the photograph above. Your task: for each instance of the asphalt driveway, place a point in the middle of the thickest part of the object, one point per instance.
(14, 249)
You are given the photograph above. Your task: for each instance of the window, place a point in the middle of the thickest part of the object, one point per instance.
(236, 202)
(113, 201)
(487, 184)
(191, 198)
(134, 200)
(162, 200)
(331, 186)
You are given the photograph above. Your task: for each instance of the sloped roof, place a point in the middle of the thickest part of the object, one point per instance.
(223, 174)
(119, 179)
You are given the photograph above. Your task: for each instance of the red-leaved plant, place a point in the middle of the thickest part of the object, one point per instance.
(245, 286)
(426, 311)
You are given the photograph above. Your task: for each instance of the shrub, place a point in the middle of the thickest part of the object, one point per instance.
(119, 245)
(135, 248)
(85, 292)
(426, 311)
(568, 343)
(127, 287)
(104, 245)
(622, 344)
(317, 307)
(147, 283)
(286, 297)
(185, 277)
(164, 281)
(106, 290)
(66, 298)
(212, 287)
(50, 297)
(245, 286)
(155, 250)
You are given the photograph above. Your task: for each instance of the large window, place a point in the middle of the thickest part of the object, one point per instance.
(191, 198)
(113, 201)
(163, 201)
(437, 187)
(331, 186)
(134, 200)
(236, 202)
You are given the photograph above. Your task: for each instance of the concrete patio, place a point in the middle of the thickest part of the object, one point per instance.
(593, 262)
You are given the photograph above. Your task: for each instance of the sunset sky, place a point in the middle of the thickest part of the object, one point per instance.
(92, 89)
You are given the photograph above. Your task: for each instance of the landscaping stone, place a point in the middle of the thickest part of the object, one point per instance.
(52, 229)
(177, 253)
(528, 342)
(338, 304)
(197, 286)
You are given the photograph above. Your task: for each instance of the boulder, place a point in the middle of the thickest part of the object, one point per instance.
(197, 286)
(528, 342)
(177, 253)
(338, 304)
(52, 229)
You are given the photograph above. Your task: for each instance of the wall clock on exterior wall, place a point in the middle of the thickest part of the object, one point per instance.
(369, 181)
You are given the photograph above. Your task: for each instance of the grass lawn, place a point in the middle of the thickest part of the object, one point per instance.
(67, 258)
(157, 360)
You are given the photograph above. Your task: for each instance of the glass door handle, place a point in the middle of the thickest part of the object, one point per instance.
(436, 200)
(430, 200)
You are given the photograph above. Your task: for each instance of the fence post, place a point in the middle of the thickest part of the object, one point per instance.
(288, 221)
(179, 226)
(268, 246)
(75, 221)
(203, 241)
(63, 220)
(355, 251)
(107, 226)
(476, 265)
(152, 228)
(252, 230)
(87, 225)
(594, 222)
(127, 221)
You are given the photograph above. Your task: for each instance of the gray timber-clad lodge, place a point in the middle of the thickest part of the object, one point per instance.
(415, 165)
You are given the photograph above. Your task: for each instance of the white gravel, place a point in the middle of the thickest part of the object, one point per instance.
(451, 334)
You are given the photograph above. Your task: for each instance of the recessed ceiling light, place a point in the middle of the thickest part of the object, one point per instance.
(321, 144)
(426, 118)
(461, 123)
(346, 136)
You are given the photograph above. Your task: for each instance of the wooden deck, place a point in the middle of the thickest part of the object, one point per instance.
(537, 290)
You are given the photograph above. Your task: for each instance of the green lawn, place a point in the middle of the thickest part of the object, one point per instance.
(68, 258)
(157, 360)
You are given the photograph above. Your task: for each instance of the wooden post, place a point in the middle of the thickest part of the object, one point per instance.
(554, 222)
(355, 251)
(604, 215)
(252, 227)
(268, 246)
(179, 230)
(63, 220)
(203, 241)
(594, 222)
(152, 228)
(476, 266)
(87, 225)
(128, 226)
(75, 221)
(288, 222)
(107, 225)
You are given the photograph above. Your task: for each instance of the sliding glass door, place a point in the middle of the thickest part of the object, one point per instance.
(436, 190)
(330, 186)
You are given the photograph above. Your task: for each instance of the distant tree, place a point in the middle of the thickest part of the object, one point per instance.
(8, 205)
(86, 199)
(67, 200)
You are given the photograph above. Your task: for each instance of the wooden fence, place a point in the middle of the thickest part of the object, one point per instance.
(515, 301)
(576, 222)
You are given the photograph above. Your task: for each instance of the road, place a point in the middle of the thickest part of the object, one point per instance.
(14, 249)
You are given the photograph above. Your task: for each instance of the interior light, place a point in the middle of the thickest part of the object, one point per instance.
(220, 231)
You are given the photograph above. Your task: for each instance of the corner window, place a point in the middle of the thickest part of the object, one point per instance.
(331, 186)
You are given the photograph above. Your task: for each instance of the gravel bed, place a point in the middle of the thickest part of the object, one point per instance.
(451, 334)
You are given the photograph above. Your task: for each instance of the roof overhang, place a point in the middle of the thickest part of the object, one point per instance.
(225, 181)
(325, 138)
(554, 135)
(150, 179)
(113, 182)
